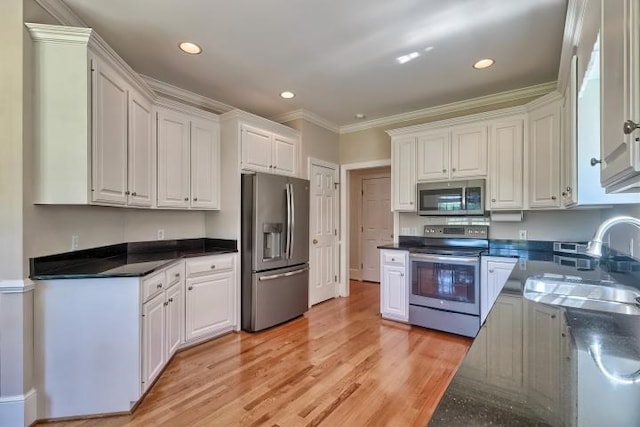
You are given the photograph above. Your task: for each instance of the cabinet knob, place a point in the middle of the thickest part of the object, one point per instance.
(190, 288)
(393, 260)
(553, 197)
(159, 286)
(134, 194)
(195, 199)
(315, 241)
(493, 200)
(564, 194)
(166, 303)
(177, 275)
(444, 171)
(568, 190)
(453, 169)
(186, 199)
(126, 193)
(595, 161)
(213, 267)
(170, 299)
(629, 126)
(491, 270)
(275, 167)
(410, 203)
(270, 166)
(401, 274)
(553, 316)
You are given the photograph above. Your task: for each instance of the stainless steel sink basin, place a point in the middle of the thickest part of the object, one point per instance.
(573, 292)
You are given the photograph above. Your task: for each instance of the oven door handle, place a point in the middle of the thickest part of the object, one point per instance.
(444, 258)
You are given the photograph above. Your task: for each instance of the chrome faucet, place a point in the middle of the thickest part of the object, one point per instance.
(594, 248)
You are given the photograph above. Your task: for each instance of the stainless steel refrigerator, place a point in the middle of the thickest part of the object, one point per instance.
(275, 249)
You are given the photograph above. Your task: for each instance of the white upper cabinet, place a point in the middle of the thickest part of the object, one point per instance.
(142, 159)
(469, 151)
(110, 106)
(506, 148)
(453, 153)
(403, 174)
(205, 164)
(433, 155)
(188, 161)
(620, 90)
(544, 155)
(268, 151)
(173, 159)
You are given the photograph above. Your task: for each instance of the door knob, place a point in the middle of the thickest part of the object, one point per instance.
(315, 241)
(629, 126)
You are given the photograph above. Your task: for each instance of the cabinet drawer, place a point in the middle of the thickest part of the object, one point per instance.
(153, 285)
(174, 274)
(208, 265)
(393, 258)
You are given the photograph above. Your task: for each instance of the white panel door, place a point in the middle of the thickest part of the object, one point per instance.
(394, 293)
(544, 157)
(109, 135)
(256, 149)
(403, 174)
(153, 339)
(377, 224)
(174, 317)
(205, 164)
(141, 151)
(285, 156)
(209, 304)
(506, 160)
(433, 155)
(173, 159)
(469, 151)
(323, 235)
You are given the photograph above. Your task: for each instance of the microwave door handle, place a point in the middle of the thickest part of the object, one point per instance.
(464, 198)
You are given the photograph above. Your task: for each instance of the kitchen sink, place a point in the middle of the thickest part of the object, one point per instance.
(573, 292)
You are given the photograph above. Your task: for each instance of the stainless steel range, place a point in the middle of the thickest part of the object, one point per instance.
(445, 279)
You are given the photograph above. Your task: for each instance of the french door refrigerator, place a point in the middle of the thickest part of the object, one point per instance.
(275, 249)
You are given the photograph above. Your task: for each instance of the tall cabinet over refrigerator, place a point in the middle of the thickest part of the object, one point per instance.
(275, 249)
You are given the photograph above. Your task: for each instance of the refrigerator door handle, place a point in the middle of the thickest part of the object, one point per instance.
(281, 275)
(292, 233)
(287, 248)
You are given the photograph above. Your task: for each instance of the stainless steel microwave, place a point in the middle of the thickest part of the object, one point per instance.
(451, 198)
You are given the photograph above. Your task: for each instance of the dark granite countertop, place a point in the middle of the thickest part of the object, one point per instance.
(534, 364)
(125, 259)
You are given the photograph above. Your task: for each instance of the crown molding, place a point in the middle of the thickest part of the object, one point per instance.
(482, 101)
(543, 101)
(309, 117)
(255, 120)
(572, 32)
(61, 13)
(510, 112)
(171, 91)
(58, 34)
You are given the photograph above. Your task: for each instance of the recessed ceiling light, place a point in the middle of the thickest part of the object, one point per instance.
(360, 116)
(287, 95)
(190, 48)
(408, 57)
(483, 63)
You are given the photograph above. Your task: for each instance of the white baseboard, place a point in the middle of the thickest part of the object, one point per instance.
(355, 274)
(19, 411)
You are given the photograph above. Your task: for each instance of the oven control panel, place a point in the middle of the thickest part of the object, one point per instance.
(457, 231)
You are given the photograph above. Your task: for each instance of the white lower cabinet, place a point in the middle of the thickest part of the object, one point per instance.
(495, 272)
(210, 296)
(394, 285)
(154, 334)
(175, 318)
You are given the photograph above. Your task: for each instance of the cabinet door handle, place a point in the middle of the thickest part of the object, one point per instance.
(170, 299)
(166, 303)
(493, 200)
(186, 199)
(134, 194)
(159, 286)
(270, 166)
(410, 203)
(453, 169)
(553, 316)
(126, 193)
(195, 199)
(275, 167)
(491, 270)
(401, 274)
(553, 197)
(190, 288)
(444, 171)
(177, 275)
(213, 267)
(595, 161)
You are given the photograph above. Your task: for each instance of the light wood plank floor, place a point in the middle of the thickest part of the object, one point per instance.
(339, 365)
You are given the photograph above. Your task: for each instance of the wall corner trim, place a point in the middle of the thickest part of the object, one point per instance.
(20, 410)
(16, 287)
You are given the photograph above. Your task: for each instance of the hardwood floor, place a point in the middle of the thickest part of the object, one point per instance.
(339, 365)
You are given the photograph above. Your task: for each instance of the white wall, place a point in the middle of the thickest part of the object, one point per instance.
(570, 225)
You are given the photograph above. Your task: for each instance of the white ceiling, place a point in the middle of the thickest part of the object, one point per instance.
(338, 56)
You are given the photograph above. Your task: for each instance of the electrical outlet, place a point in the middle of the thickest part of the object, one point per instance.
(75, 242)
(161, 234)
(522, 234)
